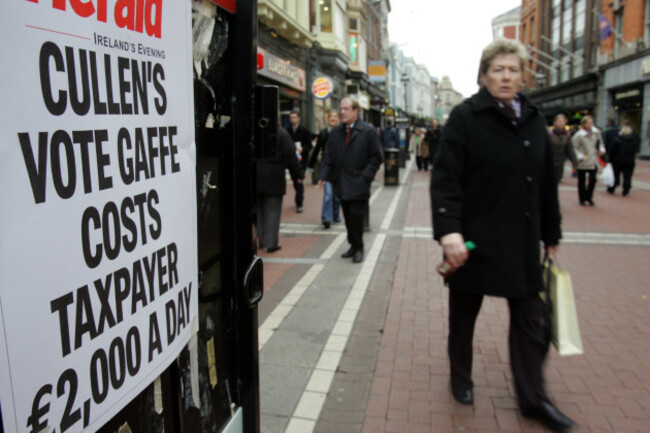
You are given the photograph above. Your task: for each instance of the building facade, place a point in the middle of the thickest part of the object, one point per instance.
(506, 25)
(284, 43)
(317, 51)
(624, 59)
(449, 97)
(591, 57)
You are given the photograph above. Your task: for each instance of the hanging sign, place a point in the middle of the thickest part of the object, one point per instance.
(98, 287)
(322, 88)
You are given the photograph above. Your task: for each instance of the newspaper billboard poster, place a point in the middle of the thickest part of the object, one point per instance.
(98, 277)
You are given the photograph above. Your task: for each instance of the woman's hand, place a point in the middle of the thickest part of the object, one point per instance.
(453, 245)
(551, 251)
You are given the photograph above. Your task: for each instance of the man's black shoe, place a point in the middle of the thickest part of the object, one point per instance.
(349, 253)
(358, 257)
(462, 395)
(274, 249)
(591, 203)
(326, 224)
(548, 415)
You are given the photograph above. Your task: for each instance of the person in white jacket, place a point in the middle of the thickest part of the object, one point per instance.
(587, 144)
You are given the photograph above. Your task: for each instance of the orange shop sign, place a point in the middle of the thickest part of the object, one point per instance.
(322, 88)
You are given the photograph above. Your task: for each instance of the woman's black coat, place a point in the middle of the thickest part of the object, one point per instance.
(624, 149)
(271, 177)
(352, 167)
(493, 182)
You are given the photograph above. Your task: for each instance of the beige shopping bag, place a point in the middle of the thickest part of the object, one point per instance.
(565, 331)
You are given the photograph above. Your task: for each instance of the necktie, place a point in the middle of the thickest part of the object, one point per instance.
(347, 134)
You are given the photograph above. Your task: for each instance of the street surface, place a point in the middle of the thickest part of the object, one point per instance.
(350, 348)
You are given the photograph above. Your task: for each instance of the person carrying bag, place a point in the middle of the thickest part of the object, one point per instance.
(561, 309)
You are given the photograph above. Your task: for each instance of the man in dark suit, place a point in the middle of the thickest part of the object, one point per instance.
(302, 139)
(352, 158)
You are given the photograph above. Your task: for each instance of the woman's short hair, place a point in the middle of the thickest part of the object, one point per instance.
(502, 46)
(585, 119)
(559, 115)
(626, 129)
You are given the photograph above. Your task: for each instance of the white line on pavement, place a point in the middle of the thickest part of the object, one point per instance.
(313, 398)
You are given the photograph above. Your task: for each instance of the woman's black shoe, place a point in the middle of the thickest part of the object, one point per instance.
(463, 396)
(548, 415)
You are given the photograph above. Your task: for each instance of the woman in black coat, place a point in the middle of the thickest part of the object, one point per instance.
(622, 156)
(271, 187)
(493, 184)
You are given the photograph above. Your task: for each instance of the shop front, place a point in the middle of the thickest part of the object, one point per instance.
(626, 93)
(291, 79)
(574, 98)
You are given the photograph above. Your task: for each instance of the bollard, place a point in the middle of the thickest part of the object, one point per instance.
(391, 166)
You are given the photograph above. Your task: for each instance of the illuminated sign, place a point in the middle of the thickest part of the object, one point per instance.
(354, 48)
(322, 88)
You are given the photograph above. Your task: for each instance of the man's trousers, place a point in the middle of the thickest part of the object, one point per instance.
(353, 212)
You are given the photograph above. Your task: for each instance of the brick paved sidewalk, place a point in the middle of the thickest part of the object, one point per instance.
(394, 374)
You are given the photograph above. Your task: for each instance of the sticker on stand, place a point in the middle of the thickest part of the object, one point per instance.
(229, 5)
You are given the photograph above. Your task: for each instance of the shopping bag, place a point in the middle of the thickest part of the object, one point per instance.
(565, 331)
(607, 175)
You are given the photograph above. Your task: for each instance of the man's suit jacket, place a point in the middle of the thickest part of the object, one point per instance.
(352, 167)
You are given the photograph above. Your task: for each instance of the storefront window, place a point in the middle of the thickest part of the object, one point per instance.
(567, 18)
(566, 70)
(579, 28)
(578, 63)
(555, 31)
(325, 7)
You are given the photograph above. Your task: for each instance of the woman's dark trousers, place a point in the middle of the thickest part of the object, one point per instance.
(627, 170)
(586, 186)
(528, 341)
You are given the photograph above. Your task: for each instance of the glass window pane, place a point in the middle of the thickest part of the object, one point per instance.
(325, 7)
(339, 24)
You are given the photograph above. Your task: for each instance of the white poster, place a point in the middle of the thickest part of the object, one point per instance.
(98, 286)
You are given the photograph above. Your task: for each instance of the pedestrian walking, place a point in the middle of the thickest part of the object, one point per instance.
(390, 136)
(610, 133)
(561, 146)
(302, 140)
(493, 184)
(587, 145)
(414, 146)
(352, 158)
(271, 187)
(423, 151)
(622, 155)
(432, 137)
(330, 211)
